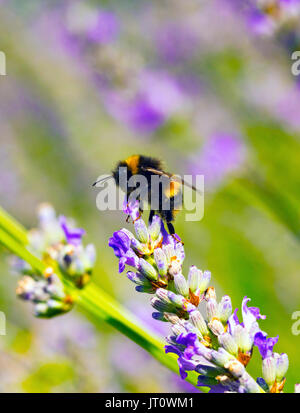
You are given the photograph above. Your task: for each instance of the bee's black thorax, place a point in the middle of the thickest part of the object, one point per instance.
(166, 196)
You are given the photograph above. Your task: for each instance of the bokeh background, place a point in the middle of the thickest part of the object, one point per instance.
(206, 87)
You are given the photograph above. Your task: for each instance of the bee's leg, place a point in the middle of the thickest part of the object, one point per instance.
(128, 218)
(151, 215)
(171, 228)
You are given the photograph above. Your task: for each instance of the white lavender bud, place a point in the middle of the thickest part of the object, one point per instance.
(141, 231)
(148, 270)
(282, 365)
(227, 342)
(90, 256)
(235, 368)
(225, 308)
(169, 252)
(216, 327)
(269, 370)
(137, 246)
(138, 278)
(242, 339)
(181, 285)
(54, 304)
(212, 309)
(297, 388)
(194, 278)
(178, 300)
(161, 306)
(40, 309)
(221, 357)
(175, 267)
(162, 294)
(155, 228)
(46, 213)
(55, 287)
(204, 280)
(177, 329)
(161, 261)
(249, 384)
(198, 321)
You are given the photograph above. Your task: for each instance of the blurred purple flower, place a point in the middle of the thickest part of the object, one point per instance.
(219, 156)
(175, 43)
(105, 29)
(159, 96)
(260, 23)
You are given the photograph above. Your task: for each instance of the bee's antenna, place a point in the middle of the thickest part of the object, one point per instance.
(102, 180)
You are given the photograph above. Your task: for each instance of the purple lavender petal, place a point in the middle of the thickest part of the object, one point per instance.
(120, 242)
(250, 314)
(73, 236)
(233, 321)
(265, 345)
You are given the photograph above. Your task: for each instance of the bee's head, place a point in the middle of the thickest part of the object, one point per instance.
(122, 173)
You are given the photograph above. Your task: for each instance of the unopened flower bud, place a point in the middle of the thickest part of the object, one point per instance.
(216, 327)
(282, 365)
(141, 231)
(242, 339)
(269, 370)
(198, 321)
(212, 309)
(155, 228)
(235, 368)
(181, 285)
(194, 278)
(225, 308)
(221, 357)
(204, 280)
(161, 261)
(161, 306)
(148, 270)
(138, 278)
(228, 343)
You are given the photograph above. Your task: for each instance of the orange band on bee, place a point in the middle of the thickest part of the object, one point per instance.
(133, 163)
(172, 189)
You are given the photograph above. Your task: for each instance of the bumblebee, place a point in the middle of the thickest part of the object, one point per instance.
(165, 198)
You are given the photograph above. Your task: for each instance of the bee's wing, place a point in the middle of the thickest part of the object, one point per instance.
(172, 178)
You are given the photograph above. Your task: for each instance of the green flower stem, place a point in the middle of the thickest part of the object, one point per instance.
(93, 300)
(14, 228)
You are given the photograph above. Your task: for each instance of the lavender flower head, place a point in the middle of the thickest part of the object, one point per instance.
(57, 243)
(218, 345)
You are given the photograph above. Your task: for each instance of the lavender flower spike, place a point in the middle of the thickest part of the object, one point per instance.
(58, 245)
(218, 346)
